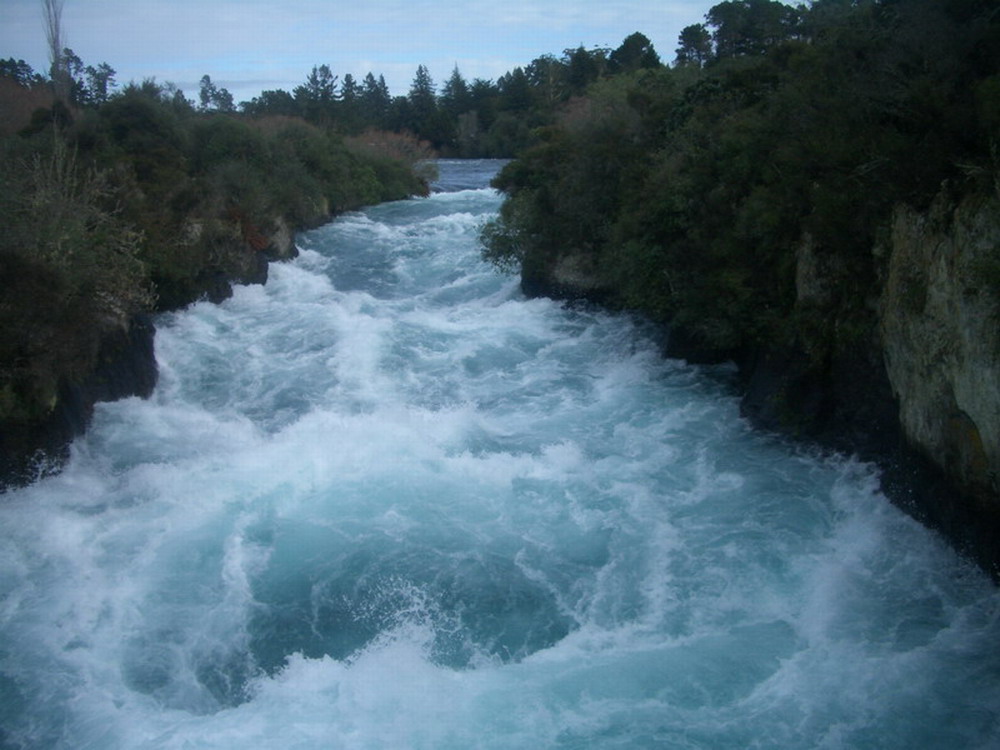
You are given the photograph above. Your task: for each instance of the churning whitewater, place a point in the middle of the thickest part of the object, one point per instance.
(384, 501)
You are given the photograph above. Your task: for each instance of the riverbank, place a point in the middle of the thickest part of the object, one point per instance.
(143, 206)
(916, 393)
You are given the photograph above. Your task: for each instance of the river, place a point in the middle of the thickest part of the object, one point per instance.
(385, 501)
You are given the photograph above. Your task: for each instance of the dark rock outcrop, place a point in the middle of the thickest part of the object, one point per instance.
(125, 362)
(126, 366)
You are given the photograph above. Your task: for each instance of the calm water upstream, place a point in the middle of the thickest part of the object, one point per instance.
(386, 502)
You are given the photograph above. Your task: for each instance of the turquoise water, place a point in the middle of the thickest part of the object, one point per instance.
(386, 502)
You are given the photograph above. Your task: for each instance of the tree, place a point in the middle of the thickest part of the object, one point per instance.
(422, 91)
(515, 92)
(351, 116)
(272, 102)
(547, 76)
(694, 46)
(349, 90)
(583, 68)
(321, 85)
(100, 81)
(455, 98)
(749, 27)
(73, 71)
(88, 86)
(317, 95)
(52, 19)
(175, 96)
(375, 100)
(21, 72)
(483, 95)
(634, 53)
(423, 111)
(214, 98)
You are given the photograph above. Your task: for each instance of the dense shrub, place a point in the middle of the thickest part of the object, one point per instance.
(70, 266)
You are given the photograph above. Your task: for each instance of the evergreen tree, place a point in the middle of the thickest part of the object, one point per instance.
(694, 46)
(316, 97)
(72, 68)
(423, 112)
(634, 53)
(21, 72)
(375, 100)
(547, 76)
(422, 93)
(515, 92)
(483, 95)
(583, 68)
(749, 27)
(272, 102)
(350, 116)
(88, 86)
(455, 97)
(212, 97)
(100, 81)
(350, 91)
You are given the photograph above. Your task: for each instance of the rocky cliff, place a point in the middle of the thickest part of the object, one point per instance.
(124, 365)
(914, 386)
(940, 334)
(119, 360)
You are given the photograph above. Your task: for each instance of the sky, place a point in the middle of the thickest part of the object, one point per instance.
(248, 46)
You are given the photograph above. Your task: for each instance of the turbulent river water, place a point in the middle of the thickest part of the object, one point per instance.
(384, 501)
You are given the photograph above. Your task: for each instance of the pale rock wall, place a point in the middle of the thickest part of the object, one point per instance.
(940, 331)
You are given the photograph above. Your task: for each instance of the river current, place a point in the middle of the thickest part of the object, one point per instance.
(385, 501)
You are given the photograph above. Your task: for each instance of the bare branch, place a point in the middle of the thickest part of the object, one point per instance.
(52, 19)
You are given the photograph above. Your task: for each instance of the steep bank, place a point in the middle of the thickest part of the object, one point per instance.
(124, 365)
(920, 392)
(115, 355)
(135, 209)
(121, 361)
(917, 392)
(939, 320)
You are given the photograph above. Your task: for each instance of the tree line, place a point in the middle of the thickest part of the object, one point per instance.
(480, 117)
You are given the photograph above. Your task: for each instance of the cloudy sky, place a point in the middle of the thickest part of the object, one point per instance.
(251, 45)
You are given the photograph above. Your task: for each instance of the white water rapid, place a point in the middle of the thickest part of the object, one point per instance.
(386, 502)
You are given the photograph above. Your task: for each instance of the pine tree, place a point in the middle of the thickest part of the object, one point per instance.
(455, 98)
(375, 100)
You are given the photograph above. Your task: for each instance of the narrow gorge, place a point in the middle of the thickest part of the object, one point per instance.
(386, 500)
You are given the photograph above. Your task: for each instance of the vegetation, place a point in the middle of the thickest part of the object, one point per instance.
(470, 119)
(119, 202)
(692, 192)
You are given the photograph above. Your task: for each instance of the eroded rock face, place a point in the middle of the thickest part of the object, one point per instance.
(125, 365)
(281, 242)
(940, 329)
(572, 275)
